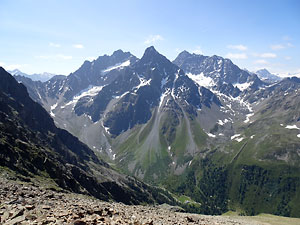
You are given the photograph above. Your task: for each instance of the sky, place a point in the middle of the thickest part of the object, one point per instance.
(56, 36)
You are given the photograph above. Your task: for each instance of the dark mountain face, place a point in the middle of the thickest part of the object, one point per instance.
(31, 145)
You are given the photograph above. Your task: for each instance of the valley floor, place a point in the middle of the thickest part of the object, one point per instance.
(24, 203)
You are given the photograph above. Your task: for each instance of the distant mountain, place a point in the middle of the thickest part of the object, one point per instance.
(264, 74)
(32, 146)
(43, 77)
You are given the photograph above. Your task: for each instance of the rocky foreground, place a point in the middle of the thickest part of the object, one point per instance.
(23, 203)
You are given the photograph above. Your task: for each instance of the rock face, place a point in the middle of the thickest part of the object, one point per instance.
(31, 145)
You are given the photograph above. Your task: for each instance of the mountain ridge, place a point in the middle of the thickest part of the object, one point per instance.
(43, 77)
(192, 127)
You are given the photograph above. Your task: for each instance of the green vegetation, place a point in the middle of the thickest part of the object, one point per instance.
(263, 219)
(199, 135)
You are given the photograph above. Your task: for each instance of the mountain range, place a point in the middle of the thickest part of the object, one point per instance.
(35, 77)
(199, 126)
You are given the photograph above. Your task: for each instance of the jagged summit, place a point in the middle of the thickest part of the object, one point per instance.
(150, 49)
(184, 53)
(152, 56)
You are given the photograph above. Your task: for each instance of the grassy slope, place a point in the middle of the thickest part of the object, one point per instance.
(263, 218)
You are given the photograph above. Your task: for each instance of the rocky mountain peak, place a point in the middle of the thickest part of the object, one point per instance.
(150, 49)
(184, 54)
(119, 52)
(152, 56)
(264, 74)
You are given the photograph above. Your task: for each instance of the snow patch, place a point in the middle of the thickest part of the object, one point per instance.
(211, 135)
(243, 86)
(239, 139)
(90, 91)
(52, 108)
(298, 135)
(117, 66)
(292, 127)
(143, 82)
(247, 120)
(252, 136)
(105, 128)
(222, 122)
(120, 96)
(201, 79)
(235, 136)
(162, 97)
(173, 87)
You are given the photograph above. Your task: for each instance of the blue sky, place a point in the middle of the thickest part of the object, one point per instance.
(57, 35)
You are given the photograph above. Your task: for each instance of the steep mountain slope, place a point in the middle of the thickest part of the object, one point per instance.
(258, 169)
(32, 146)
(268, 158)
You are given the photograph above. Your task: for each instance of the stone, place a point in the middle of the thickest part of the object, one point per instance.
(46, 207)
(79, 222)
(16, 220)
(80, 210)
(29, 207)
